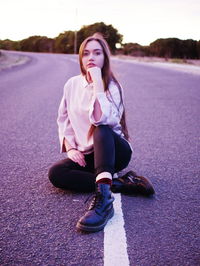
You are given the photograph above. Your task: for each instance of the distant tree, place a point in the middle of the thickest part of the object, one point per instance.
(146, 50)
(133, 49)
(168, 48)
(7, 44)
(64, 43)
(37, 44)
(174, 48)
(45, 44)
(198, 49)
(189, 49)
(108, 31)
(16, 46)
(156, 47)
(30, 44)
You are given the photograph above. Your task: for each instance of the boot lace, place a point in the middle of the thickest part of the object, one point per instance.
(96, 200)
(132, 177)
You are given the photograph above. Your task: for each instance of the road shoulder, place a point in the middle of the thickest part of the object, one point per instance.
(9, 59)
(192, 68)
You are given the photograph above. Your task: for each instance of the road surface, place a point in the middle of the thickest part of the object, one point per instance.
(37, 221)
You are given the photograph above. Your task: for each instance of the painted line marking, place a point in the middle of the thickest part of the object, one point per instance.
(115, 244)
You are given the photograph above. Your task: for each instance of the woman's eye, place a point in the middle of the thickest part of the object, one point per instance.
(87, 53)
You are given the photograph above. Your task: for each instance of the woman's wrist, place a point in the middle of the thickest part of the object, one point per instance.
(98, 86)
(71, 149)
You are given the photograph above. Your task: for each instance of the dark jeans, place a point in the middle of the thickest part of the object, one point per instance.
(111, 154)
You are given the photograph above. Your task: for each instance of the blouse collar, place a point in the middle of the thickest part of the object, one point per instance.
(85, 82)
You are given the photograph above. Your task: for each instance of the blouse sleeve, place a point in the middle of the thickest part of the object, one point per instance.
(111, 107)
(65, 129)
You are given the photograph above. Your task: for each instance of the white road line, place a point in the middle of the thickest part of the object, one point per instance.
(115, 245)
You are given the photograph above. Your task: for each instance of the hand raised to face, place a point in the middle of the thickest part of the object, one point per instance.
(94, 74)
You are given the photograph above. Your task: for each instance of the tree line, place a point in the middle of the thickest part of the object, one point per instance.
(69, 42)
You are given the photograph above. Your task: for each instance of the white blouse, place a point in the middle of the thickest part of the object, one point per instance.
(75, 113)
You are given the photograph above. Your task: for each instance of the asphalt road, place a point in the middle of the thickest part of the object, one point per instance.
(37, 221)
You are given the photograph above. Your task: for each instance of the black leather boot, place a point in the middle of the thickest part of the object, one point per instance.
(100, 210)
(131, 183)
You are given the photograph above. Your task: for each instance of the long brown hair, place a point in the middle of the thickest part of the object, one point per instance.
(107, 76)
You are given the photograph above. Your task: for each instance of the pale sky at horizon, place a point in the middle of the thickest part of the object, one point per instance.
(141, 21)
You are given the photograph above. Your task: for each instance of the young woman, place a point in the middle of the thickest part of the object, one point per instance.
(93, 132)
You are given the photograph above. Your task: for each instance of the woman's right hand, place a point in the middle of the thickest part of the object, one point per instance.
(77, 157)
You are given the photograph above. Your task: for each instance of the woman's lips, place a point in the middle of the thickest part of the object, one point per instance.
(91, 65)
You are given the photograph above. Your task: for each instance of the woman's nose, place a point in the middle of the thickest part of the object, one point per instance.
(91, 56)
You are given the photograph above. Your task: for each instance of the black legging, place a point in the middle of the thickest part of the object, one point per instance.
(111, 154)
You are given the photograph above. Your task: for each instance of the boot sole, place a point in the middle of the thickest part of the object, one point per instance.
(95, 228)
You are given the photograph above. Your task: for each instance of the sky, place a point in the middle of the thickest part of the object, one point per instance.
(141, 21)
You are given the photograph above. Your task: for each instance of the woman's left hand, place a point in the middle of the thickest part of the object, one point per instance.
(77, 157)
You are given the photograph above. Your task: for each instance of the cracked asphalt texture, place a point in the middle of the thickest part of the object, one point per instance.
(37, 221)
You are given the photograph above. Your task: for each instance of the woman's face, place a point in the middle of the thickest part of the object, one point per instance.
(93, 55)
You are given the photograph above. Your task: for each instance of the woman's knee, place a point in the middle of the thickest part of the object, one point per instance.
(54, 174)
(102, 131)
(123, 160)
